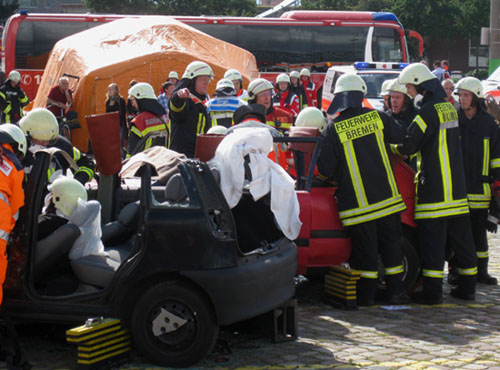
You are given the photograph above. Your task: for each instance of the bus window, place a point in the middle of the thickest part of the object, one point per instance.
(35, 40)
(386, 45)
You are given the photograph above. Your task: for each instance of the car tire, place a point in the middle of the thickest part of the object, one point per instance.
(188, 342)
(411, 265)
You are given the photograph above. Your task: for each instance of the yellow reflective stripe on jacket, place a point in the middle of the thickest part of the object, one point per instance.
(440, 205)
(421, 123)
(24, 100)
(174, 108)
(357, 181)
(394, 270)
(495, 163)
(444, 161)
(468, 272)
(8, 108)
(374, 215)
(2, 95)
(479, 200)
(160, 127)
(283, 125)
(87, 170)
(387, 163)
(372, 207)
(486, 164)
(76, 154)
(394, 148)
(136, 131)
(369, 274)
(200, 128)
(439, 274)
(482, 254)
(443, 212)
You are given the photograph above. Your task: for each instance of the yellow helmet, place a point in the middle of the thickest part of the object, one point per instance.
(471, 84)
(415, 74)
(40, 124)
(197, 68)
(65, 194)
(350, 82)
(257, 86)
(311, 117)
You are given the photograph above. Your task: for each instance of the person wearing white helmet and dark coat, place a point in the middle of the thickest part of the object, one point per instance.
(441, 206)
(235, 77)
(354, 155)
(12, 99)
(297, 88)
(151, 117)
(309, 87)
(285, 98)
(41, 127)
(188, 113)
(480, 139)
(222, 107)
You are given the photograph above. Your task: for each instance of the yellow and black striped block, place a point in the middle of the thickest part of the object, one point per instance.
(102, 343)
(340, 287)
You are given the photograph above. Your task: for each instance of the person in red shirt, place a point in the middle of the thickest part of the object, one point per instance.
(60, 98)
(284, 98)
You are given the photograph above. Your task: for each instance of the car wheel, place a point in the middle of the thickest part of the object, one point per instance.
(173, 324)
(411, 265)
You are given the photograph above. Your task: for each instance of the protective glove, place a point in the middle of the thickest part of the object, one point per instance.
(491, 227)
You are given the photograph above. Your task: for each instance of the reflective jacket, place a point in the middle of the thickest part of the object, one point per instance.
(312, 97)
(440, 175)
(221, 109)
(243, 95)
(301, 93)
(143, 124)
(354, 153)
(189, 118)
(481, 151)
(12, 101)
(279, 118)
(288, 101)
(11, 199)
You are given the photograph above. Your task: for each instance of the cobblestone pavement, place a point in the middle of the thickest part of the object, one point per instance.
(454, 335)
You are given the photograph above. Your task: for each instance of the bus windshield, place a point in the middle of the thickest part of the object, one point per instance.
(374, 82)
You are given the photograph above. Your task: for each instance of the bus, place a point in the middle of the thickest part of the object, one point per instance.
(298, 39)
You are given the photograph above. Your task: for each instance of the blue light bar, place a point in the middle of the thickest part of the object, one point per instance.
(361, 65)
(384, 16)
(23, 12)
(402, 65)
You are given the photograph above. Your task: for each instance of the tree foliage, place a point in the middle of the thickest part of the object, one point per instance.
(175, 7)
(432, 18)
(7, 10)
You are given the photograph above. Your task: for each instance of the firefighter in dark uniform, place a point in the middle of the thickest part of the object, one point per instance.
(481, 151)
(354, 154)
(12, 99)
(42, 129)
(188, 114)
(441, 207)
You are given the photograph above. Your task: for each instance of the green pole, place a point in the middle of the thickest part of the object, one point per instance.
(494, 35)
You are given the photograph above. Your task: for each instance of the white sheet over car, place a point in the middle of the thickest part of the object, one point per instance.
(267, 176)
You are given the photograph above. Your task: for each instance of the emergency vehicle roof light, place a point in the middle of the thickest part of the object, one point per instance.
(402, 65)
(361, 65)
(23, 12)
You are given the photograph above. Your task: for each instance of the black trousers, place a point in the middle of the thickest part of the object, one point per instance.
(434, 234)
(368, 240)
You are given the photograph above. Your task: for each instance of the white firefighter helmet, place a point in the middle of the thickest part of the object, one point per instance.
(305, 72)
(197, 68)
(142, 90)
(294, 74)
(14, 76)
(224, 83)
(17, 135)
(471, 84)
(384, 88)
(173, 74)
(217, 130)
(395, 86)
(40, 124)
(282, 77)
(311, 117)
(65, 194)
(233, 74)
(350, 82)
(257, 86)
(415, 74)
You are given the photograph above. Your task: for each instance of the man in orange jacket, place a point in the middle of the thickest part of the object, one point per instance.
(12, 148)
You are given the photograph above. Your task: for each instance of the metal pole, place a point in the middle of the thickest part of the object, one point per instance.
(494, 35)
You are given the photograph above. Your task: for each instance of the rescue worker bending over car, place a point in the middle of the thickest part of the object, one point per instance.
(12, 149)
(354, 154)
(441, 207)
(151, 118)
(188, 113)
(480, 138)
(42, 130)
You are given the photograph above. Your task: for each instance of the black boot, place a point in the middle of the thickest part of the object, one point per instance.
(482, 272)
(365, 291)
(452, 274)
(466, 289)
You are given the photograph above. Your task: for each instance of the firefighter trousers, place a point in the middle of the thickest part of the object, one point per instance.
(369, 239)
(434, 234)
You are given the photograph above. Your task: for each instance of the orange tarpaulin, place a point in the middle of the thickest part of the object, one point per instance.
(144, 49)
